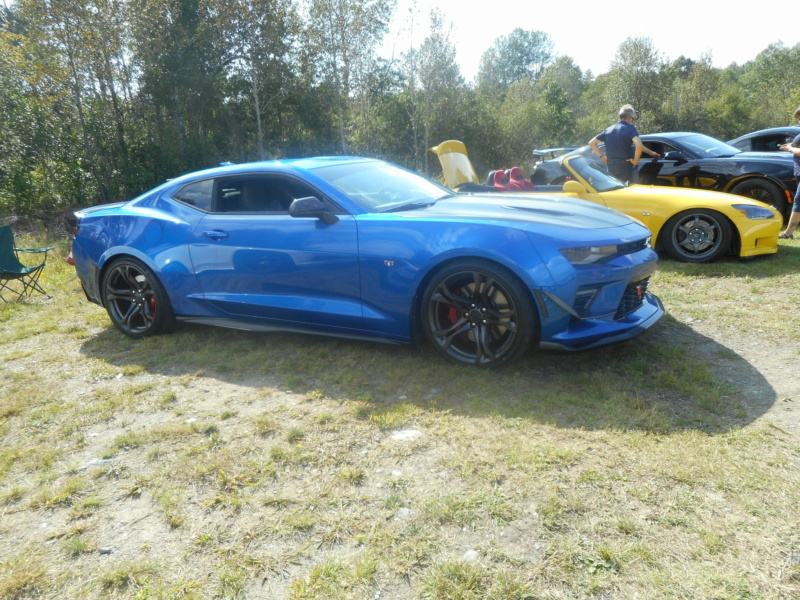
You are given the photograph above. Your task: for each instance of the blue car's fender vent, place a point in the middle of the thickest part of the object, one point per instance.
(632, 298)
(632, 247)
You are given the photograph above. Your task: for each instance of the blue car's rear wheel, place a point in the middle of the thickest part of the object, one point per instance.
(135, 299)
(478, 313)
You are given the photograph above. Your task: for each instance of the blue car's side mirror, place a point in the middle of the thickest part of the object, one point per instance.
(311, 206)
(674, 155)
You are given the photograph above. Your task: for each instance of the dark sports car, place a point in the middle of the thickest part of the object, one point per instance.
(699, 161)
(765, 140)
(364, 249)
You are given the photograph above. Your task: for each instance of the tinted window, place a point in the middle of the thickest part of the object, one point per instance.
(254, 194)
(197, 194)
(743, 145)
(770, 143)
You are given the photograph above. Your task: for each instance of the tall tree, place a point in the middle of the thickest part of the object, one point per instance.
(81, 44)
(637, 76)
(440, 83)
(257, 39)
(181, 85)
(772, 82)
(344, 35)
(522, 53)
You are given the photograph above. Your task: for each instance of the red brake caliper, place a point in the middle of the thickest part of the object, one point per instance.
(453, 313)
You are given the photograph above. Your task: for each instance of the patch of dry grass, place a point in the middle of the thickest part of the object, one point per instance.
(215, 463)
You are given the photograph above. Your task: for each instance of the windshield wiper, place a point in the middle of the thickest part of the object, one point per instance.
(408, 206)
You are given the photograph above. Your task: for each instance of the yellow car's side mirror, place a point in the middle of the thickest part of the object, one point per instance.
(574, 187)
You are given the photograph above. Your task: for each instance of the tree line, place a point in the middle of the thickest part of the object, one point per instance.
(101, 100)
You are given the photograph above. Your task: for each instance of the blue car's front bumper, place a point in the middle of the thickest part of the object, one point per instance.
(582, 334)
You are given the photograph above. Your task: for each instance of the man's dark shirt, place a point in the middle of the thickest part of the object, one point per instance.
(619, 139)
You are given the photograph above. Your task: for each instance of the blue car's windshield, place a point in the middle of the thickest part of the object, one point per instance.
(707, 147)
(383, 187)
(592, 173)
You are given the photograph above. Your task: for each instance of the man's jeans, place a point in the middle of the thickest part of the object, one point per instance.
(623, 170)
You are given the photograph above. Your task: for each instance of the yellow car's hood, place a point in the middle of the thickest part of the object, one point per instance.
(655, 195)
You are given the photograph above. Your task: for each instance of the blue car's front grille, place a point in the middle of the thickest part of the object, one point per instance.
(632, 298)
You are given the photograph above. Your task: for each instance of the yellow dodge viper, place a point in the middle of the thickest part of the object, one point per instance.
(689, 225)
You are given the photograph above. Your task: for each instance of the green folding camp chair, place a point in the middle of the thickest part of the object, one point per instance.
(11, 269)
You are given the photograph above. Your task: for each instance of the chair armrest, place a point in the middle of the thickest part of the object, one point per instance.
(33, 249)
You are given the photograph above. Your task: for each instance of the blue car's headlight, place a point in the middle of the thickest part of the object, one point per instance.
(754, 212)
(588, 254)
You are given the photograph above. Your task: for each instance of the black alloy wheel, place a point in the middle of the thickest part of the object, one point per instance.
(135, 299)
(763, 191)
(478, 313)
(697, 236)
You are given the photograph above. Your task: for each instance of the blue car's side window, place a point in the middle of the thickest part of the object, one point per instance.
(260, 195)
(197, 194)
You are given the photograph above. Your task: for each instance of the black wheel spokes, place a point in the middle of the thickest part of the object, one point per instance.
(502, 316)
(698, 236)
(447, 296)
(484, 341)
(483, 288)
(448, 334)
(129, 294)
(485, 326)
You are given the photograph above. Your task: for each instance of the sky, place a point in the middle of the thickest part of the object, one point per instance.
(576, 27)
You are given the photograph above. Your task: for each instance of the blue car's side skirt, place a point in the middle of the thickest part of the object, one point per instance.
(277, 327)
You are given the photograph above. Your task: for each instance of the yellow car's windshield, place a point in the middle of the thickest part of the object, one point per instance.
(599, 179)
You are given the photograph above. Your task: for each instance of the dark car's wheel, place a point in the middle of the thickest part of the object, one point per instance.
(135, 299)
(763, 191)
(697, 236)
(478, 313)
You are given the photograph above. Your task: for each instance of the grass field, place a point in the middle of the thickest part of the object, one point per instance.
(212, 463)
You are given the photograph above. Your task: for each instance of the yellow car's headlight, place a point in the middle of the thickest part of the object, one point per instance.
(754, 212)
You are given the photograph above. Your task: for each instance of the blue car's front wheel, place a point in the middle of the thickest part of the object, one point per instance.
(478, 313)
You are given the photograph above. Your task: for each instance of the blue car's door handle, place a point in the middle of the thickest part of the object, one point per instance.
(215, 235)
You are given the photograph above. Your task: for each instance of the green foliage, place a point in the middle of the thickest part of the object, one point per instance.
(520, 54)
(102, 100)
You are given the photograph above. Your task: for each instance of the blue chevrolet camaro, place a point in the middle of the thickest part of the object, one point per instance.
(365, 249)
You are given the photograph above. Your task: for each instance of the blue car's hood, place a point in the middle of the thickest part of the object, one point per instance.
(558, 211)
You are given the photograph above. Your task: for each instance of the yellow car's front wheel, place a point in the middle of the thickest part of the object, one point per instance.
(697, 236)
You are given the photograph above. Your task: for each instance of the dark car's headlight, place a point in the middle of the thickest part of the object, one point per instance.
(586, 255)
(754, 212)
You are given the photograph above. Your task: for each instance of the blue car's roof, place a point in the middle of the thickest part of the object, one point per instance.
(280, 165)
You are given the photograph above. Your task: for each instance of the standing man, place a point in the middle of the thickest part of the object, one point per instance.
(623, 147)
(794, 216)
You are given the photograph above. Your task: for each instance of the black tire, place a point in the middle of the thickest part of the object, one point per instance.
(697, 236)
(475, 312)
(135, 299)
(764, 191)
